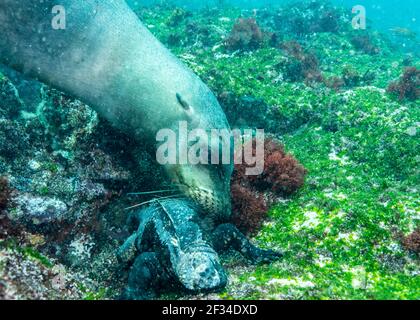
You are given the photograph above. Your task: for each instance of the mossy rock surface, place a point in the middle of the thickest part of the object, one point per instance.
(342, 234)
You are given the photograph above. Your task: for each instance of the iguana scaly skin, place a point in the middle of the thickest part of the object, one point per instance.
(171, 249)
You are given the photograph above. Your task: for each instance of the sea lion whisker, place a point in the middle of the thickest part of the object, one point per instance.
(150, 192)
(178, 185)
(175, 196)
(151, 201)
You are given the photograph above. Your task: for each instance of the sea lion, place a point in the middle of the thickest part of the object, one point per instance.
(108, 59)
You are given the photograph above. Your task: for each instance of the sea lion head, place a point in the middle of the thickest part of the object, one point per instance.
(205, 181)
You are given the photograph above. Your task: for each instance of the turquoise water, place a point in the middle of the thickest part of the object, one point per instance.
(385, 14)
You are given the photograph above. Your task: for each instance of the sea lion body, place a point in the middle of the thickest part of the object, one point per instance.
(108, 59)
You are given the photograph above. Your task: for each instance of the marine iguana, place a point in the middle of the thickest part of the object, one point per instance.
(172, 248)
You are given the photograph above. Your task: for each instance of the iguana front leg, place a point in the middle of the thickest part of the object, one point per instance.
(227, 236)
(147, 272)
(147, 277)
(129, 250)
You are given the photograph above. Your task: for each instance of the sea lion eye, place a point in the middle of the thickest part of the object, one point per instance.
(182, 102)
(221, 173)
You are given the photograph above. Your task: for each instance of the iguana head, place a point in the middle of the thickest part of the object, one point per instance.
(200, 269)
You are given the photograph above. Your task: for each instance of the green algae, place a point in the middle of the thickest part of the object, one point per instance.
(89, 295)
(341, 233)
(27, 252)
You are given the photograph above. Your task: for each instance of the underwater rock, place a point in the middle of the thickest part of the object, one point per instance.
(335, 83)
(5, 194)
(13, 140)
(329, 21)
(364, 43)
(69, 122)
(80, 250)
(310, 68)
(408, 60)
(248, 112)
(198, 33)
(293, 71)
(308, 17)
(89, 190)
(178, 16)
(35, 210)
(302, 65)
(245, 35)
(8, 228)
(103, 167)
(28, 275)
(10, 102)
(63, 156)
(174, 40)
(351, 77)
(408, 87)
(29, 90)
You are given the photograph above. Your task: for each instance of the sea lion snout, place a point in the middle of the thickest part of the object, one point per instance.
(207, 185)
(215, 202)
